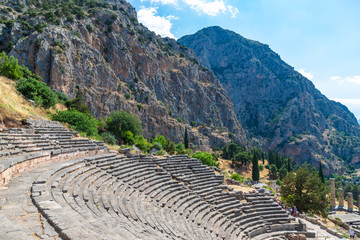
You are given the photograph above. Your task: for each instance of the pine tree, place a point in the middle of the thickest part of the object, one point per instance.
(255, 168)
(305, 190)
(186, 139)
(321, 174)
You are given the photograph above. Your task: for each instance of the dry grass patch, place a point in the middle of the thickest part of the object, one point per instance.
(14, 107)
(245, 171)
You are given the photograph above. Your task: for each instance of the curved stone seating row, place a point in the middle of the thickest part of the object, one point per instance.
(249, 216)
(154, 185)
(60, 190)
(118, 197)
(152, 180)
(100, 195)
(23, 148)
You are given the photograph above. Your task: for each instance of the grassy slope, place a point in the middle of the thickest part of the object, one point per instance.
(14, 107)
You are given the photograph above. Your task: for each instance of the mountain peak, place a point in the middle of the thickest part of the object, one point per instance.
(276, 104)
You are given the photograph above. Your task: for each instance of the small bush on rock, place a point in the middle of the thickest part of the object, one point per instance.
(162, 140)
(170, 147)
(205, 158)
(158, 146)
(79, 121)
(237, 177)
(108, 138)
(180, 149)
(128, 137)
(142, 143)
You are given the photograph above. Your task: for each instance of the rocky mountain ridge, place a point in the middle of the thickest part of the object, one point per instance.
(100, 48)
(277, 105)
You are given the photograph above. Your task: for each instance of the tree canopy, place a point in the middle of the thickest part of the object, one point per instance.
(305, 190)
(122, 121)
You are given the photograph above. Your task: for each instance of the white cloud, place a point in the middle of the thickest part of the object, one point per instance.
(165, 2)
(212, 8)
(209, 7)
(233, 11)
(308, 75)
(160, 25)
(351, 80)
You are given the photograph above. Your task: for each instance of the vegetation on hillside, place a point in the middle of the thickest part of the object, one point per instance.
(206, 159)
(27, 83)
(278, 165)
(44, 13)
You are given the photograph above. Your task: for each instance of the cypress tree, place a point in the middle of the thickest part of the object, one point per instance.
(186, 139)
(263, 157)
(255, 168)
(321, 174)
(277, 160)
(289, 165)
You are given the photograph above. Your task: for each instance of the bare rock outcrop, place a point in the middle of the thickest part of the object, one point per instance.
(276, 104)
(120, 65)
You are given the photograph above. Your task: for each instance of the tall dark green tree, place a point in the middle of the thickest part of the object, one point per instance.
(186, 139)
(271, 157)
(289, 165)
(321, 174)
(277, 159)
(255, 168)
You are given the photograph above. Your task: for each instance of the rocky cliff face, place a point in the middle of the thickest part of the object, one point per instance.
(276, 104)
(120, 65)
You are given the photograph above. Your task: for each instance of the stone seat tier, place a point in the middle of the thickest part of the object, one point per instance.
(57, 210)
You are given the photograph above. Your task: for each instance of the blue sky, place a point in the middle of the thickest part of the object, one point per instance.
(320, 38)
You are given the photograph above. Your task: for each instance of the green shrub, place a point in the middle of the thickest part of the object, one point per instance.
(179, 119)
(108, 138)
(158, 146)
(89, 28)
(205, 158)
(162, 140)
(188, 151)
(10, 67)
(160, 152)
(61, 97)
(79, 121)
(170, 147)
(18, 9)
(237, 177)
(272, 190)
(121, 121)
(78, 103)
(142, 143)
(180, 149)
(128, 137)
(37, 91)
(57, 22)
